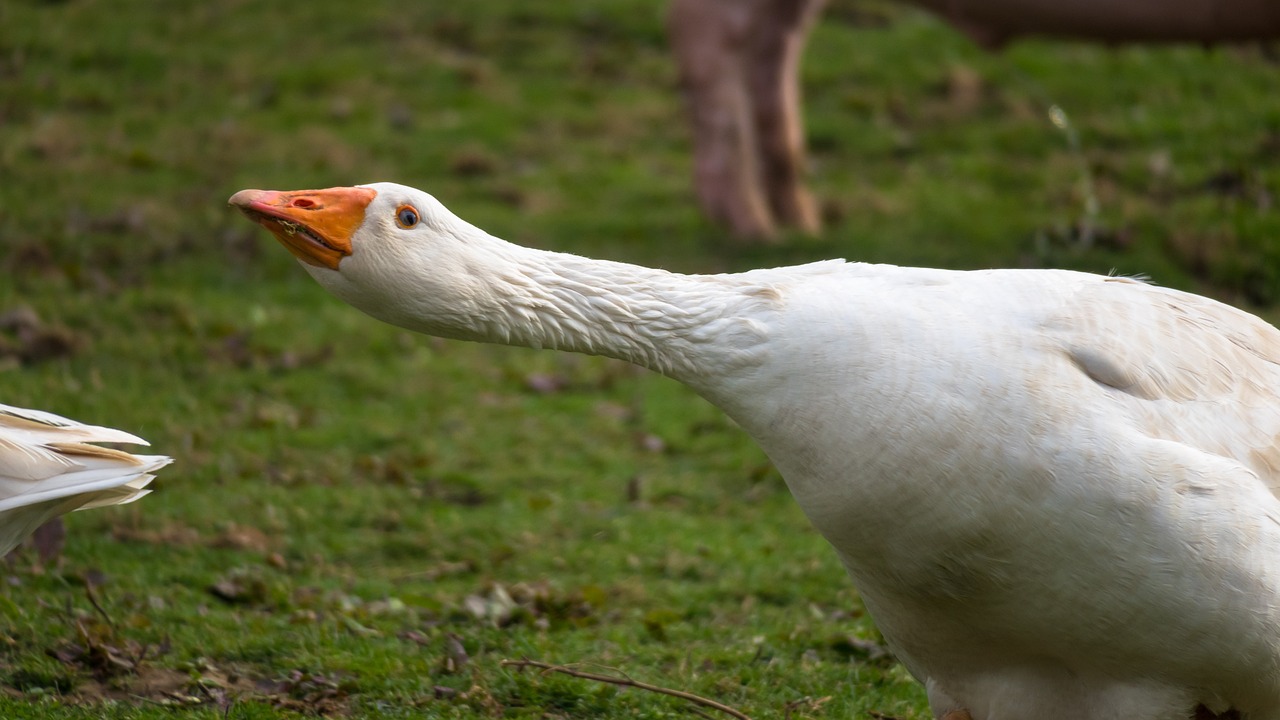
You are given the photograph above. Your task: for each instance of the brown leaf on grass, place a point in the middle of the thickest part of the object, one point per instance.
(198, 683)
(99, 650)
(241, 350)
(539, 604)
(313, 693)
(30, 340)
(865, 650)
(241, 537)
(99, 645)
(455, 655)
(232, 537)
(480, 700)
(239, 587)
(102, 659)
(415, 637)
(230, 591)
(162, 686)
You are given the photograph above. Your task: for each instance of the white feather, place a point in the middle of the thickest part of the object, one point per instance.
(48, 468)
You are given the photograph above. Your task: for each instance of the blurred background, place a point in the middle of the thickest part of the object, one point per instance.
(364, 520)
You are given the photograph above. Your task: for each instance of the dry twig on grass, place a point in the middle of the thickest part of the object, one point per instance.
(808, 703)
(628, 682)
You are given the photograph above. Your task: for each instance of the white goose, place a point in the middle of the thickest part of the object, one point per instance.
(1055, 491)
(48, 468)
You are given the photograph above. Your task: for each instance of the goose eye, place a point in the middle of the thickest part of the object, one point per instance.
(406, 216)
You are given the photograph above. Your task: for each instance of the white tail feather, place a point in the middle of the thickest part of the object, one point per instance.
(43, 427)
(47, 468)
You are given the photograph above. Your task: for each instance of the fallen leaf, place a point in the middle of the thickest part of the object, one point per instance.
(241, 537)
(455, 655)
(239, 587)
(23, 335)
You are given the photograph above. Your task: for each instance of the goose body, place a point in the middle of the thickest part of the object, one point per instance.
(49, 467)
(1055, 491)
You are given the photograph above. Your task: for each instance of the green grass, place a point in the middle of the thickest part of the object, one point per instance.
(355, 489)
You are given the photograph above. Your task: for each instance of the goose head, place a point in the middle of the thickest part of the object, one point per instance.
(394, 252)
(398, 254)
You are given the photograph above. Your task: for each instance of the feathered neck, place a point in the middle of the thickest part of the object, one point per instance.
(468, 285)
(679, 325)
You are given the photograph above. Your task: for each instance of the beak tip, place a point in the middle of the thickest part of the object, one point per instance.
(244, 198)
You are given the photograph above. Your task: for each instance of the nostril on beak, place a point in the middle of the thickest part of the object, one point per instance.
(303, 203)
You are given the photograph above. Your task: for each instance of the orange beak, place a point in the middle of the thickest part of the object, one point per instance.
(315, 225)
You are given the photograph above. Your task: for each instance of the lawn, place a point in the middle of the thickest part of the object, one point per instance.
(362, 522)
